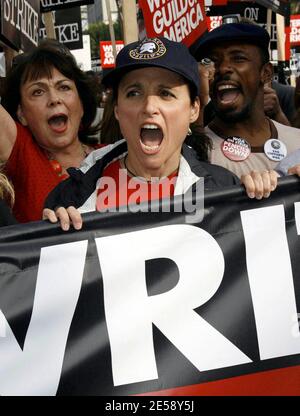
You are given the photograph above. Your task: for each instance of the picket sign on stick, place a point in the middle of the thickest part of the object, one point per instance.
(269, 25)
(130, 21)
(280, 37)
(49, 25)
(111, 29)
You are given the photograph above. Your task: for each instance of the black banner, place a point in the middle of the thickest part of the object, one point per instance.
(278, 6)
(20, 23)
(155, 302)
(49, 5)
(68, 27)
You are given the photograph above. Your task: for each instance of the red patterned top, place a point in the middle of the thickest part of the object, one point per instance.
(32, 176)
(118, 189)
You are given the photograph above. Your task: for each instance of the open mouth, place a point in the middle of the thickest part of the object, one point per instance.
(151, 137)
(227, 93)
(58, 122)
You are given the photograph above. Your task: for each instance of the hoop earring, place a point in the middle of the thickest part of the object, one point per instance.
(189, 133)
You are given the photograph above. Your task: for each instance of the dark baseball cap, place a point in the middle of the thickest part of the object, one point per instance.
(252, 34)
(155, 52)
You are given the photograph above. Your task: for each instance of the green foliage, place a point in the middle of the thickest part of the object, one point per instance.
(100, 31)
(295, 7)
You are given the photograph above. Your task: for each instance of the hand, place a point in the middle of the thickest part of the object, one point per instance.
(294, 170)
(206, 69)
(271, 102)
(260, 184)
(272, 106)
(66, 216)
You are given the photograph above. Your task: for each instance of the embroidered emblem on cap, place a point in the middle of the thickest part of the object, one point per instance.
(149, 49)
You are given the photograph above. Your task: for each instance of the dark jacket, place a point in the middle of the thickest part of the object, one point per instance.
(6, 217)
(79, 186)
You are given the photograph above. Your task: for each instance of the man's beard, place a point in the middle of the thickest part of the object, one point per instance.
(232, 117)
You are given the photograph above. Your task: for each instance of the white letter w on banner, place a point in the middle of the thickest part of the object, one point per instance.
(130, 312)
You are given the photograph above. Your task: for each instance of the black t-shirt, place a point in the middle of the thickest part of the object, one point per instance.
(6, 217)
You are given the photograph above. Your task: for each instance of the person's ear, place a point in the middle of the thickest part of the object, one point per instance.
(116, 112)
(267, 73)
(195, 109)
(21, 117)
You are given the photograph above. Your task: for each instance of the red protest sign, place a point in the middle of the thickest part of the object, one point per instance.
(287, 44)
(209, 3)
(295, 30)
(106, 53)
(178, 20)
(213, 22)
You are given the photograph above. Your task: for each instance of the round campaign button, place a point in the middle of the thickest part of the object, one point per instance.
(275, 150)
(235, 148)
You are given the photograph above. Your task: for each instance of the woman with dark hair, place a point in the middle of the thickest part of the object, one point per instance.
(6, 201)
(46, 114)
(111, 132)
(155, 100)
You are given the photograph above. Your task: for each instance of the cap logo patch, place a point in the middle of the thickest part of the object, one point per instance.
(149, 49)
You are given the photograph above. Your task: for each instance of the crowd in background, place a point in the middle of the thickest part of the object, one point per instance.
(56, 118)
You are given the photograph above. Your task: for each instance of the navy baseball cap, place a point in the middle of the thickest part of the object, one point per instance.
(231, 32)
(155, 52)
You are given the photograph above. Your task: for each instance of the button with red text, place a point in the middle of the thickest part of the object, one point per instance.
(235, 148)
